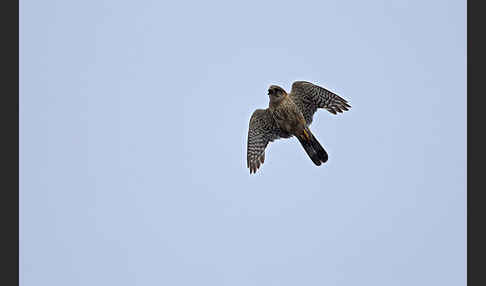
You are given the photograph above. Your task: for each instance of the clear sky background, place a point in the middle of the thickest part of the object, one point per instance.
(133, 127)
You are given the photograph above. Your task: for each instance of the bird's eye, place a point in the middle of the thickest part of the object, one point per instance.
(270, 91)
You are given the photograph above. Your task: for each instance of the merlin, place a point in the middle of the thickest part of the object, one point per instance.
(290, 115)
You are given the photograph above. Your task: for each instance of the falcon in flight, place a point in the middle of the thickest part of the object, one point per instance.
(290, 114)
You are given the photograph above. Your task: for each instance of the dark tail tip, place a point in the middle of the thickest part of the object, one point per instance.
(322, 154)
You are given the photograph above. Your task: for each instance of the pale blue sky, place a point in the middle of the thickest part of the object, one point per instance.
(133, 125)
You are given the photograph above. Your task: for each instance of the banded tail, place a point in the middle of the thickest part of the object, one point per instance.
(312, 147)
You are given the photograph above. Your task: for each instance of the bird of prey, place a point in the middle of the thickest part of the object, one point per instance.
(289, 115)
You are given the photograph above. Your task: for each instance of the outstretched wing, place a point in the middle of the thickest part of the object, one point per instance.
(262, 130)
(309, 97)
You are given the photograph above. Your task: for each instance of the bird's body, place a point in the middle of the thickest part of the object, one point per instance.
(287, 115)
(290, 115)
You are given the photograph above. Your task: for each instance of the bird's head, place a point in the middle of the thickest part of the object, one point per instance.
(276, 93)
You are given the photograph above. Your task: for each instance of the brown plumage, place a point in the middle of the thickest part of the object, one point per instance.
(290, 115)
